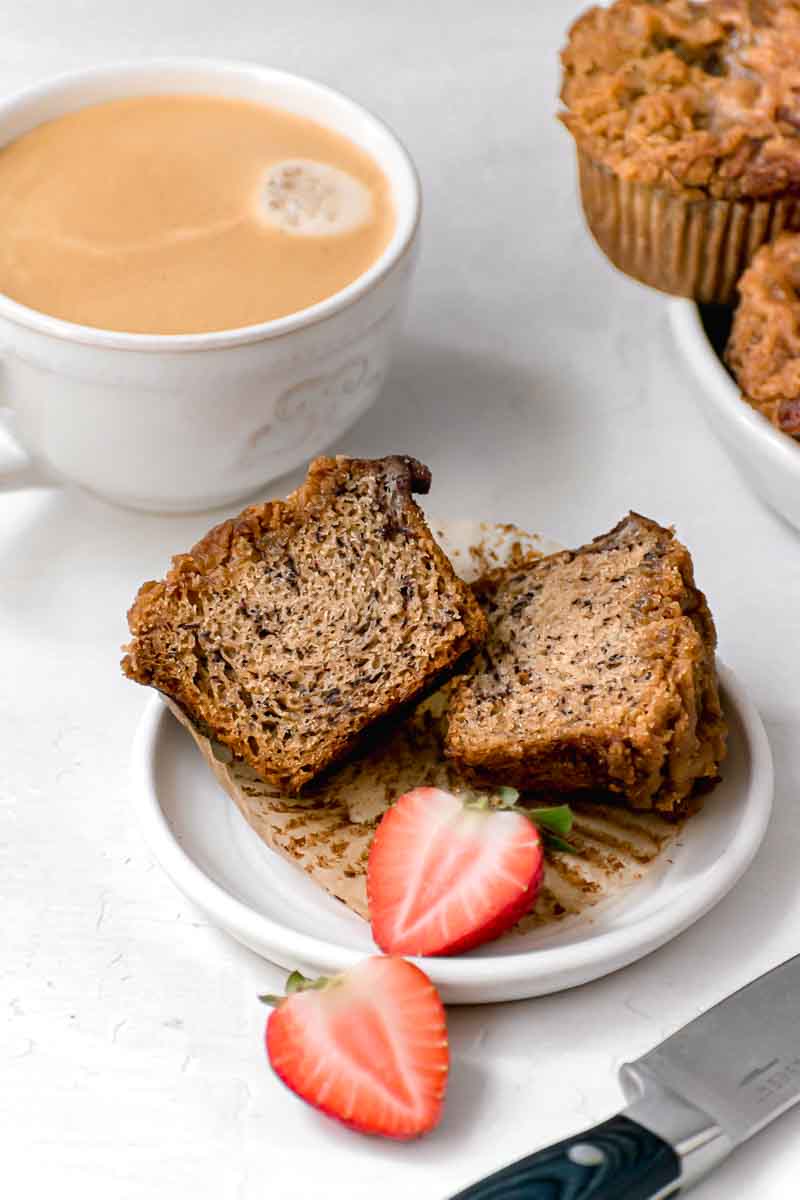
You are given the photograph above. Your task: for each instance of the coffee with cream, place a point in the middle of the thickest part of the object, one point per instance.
(185, 213)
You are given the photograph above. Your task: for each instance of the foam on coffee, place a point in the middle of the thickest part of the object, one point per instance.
(314, 199)
(185, 214)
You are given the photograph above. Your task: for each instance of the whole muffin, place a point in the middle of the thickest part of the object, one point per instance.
(763, 350)
(686, 118)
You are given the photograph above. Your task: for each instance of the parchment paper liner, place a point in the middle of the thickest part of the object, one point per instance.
(327, 832)
(694, 248)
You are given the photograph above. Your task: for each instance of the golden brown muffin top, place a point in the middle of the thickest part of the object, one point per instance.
(764, 346)
(701, 98)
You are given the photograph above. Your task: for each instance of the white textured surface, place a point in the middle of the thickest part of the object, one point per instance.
(541, 388)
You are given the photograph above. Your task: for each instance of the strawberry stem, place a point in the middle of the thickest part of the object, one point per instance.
(296, 982)
(507, 796)
(552, 821)
(272, 1001)
(476, 800)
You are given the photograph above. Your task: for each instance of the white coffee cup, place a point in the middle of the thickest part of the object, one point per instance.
(179, 423)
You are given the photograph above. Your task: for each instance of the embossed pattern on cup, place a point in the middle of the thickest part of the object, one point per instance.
(190, 422)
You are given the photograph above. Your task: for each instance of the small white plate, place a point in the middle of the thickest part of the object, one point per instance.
(203, 843)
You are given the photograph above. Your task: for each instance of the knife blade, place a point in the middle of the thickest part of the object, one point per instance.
(692, 1100)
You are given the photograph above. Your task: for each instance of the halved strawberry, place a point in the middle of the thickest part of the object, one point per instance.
(368, 1047)
(446, 873)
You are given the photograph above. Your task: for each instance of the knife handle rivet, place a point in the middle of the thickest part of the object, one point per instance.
(584, 1154)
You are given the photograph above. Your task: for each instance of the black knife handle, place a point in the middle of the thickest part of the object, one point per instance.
(618, 1160)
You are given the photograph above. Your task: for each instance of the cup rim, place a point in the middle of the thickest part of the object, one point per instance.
(398, 247)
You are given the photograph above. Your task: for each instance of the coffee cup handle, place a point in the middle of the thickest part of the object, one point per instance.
(17, 470)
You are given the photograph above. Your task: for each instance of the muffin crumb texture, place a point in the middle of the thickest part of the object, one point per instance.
(697, 98)
(764, 347)
(598, 674)
(289, 630)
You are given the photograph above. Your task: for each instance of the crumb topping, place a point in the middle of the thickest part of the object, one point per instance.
(764, 346)
(702, 97)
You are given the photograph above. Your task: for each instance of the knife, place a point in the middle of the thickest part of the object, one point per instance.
(692, 1100)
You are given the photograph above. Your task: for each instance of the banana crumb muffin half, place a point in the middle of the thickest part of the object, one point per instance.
(764, 347)
(598, 674)
(686, 118)
(289, 630)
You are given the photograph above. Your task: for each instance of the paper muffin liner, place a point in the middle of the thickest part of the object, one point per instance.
(694, 248)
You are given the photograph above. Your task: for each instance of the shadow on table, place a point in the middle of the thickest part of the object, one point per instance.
(465, 413)
(69, 554)
(444, 399)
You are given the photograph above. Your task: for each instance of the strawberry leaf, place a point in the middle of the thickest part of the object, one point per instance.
(556, 843)
(296, 982)
(557, 820)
